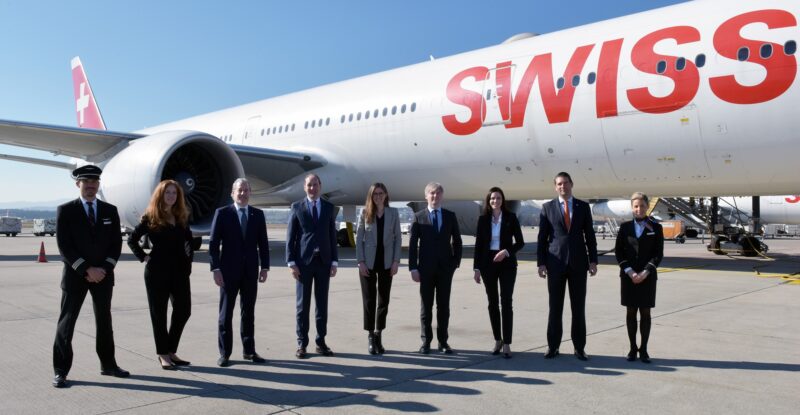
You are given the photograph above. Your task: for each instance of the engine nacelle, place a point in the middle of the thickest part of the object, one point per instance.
(204, 166)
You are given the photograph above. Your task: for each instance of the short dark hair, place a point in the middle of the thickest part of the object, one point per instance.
(487, 209)
(564, 175)
(310, 175)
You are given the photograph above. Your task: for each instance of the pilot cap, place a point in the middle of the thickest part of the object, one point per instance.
(87, 172)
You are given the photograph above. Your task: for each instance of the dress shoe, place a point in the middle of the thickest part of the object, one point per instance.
(551, 354)
(117, 372)
(371, 344)
(324, 350)
(301, 353)
(255, 358)
(379, 343)
(507, 351)
(498, 345)
(632, 355)
(179, 362)
(445, 348)
(166, 365)
(644, 356)
(581, 355)
(223, 361)
(60, 381)
(425, 348)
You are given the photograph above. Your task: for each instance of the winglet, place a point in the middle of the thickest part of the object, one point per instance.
(86, 108)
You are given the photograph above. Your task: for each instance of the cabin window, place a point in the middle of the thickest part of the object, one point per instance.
(661, 66)
(743, 53)
(766, 51)
(375, 114)
(274, 129)
(488, 94)
(576, 80)
(790, 47)
(280, 129)
(413, 106)
(313, 123)
(342, 120)
(385, 111)
(306, 126)
(591, 78)
(350, 118)
(292, 126)
(262, 131)
(680, 64)
(700, 60)
(394, 110)
(403, 109)
(328, 121)
(366, 115)
(358, 116)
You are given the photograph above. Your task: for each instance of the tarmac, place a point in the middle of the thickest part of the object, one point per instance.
(724, 340)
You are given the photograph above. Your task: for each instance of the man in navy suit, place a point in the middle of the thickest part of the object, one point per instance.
(567, 249)
(311, 254)
(241, 230)
(434, 253)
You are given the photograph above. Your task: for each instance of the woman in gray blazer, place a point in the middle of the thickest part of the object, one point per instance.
(378, 241)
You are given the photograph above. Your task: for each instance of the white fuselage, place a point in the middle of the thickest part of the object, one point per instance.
(726, 128)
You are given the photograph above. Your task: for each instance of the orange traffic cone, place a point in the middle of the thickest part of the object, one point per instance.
(42, 257)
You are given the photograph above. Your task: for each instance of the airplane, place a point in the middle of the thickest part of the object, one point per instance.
(697, 98)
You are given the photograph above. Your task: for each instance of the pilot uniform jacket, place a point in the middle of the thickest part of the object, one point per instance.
(367, 239)
(561, 250)
(510, 239)
(303, 235)
(82, 246)
(431, 250)
(240, 256)
(644, 252)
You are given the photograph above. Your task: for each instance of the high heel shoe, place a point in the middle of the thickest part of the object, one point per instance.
(166, 364)
(632, 355)
(498, 344)
(644, 356)
(507, 351)
(177, 361)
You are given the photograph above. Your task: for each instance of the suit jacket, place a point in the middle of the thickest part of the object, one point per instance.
(430, 250)
(303, 235)
(510, 239)
(239, 255)
(171, 247)
(639, 253)
(367, 239)
(558, 248)
(82, 246)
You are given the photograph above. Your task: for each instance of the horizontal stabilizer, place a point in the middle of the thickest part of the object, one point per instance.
(41, 162)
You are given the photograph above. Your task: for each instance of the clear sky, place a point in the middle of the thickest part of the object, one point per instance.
(151, 62)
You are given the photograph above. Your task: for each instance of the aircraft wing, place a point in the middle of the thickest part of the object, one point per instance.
(270, 168)
(68, 141)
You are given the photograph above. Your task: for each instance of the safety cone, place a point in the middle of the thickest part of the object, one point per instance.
(42, 257)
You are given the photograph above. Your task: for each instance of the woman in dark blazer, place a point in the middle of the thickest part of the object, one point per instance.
(378, 241)
(498, 239)
(639, 249)
(167, 269)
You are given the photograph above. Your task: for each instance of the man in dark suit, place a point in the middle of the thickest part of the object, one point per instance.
(89, 241)
(434, 253)
(567, 249)
(242, 232)
(311, 254)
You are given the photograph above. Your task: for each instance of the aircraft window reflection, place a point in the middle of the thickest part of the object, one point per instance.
(790, 47)
(560, 83)
(403, 109)
(766, 51)
(591, 78)
(413, 106)
(700, 60)
(680, 64)
(576, 80)
(661, 66)
(743, 53)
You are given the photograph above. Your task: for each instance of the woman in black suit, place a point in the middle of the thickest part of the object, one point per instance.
(498, 239)
(167, 269)
(639, 249)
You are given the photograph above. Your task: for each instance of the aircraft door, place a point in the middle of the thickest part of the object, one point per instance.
(496, 91)
(635, 155)
(251, 129)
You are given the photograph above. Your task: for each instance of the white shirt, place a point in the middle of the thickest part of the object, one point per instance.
(494, 245)
(86, 207)
(438, 217)
(239, 212)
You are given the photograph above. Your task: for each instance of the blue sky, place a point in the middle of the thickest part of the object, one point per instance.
(151, 62)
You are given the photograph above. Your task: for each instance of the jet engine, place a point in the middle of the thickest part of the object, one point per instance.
(204, 166)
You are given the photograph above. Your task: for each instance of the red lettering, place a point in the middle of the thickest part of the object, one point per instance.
(607, 72)
(781, 69)
(470, 99)
(794, 199)
(645, 59)
(557, 104)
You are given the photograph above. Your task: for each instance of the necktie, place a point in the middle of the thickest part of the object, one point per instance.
(91, 214)
(314, 213)
(435, 220)
(567, 220)
(243, 216)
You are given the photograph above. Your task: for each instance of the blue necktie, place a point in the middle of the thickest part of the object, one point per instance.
(243, 221)
(435, 220)
(92, 219)
(314, 214)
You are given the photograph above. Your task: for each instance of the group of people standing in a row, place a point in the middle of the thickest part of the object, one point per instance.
(89, 241)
